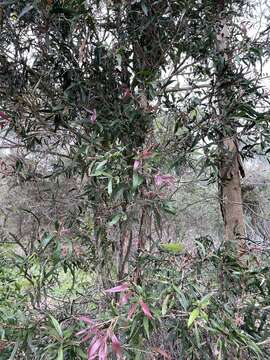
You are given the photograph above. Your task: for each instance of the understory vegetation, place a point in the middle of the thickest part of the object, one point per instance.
(134, 176)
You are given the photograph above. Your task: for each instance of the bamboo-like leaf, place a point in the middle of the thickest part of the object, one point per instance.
(145, 309)
(165, 305)
(119, 288)
(146, 326)
(56, 325)
(137, 180)
(60, 354)
(193, 316)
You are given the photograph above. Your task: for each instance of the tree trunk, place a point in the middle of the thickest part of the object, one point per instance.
(230, 193)
(230, 164)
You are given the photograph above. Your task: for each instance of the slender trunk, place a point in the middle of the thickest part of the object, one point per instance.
(230, 193)
(230, 168)
(125, 244)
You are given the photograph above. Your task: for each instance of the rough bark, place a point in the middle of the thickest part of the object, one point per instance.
(230, 193)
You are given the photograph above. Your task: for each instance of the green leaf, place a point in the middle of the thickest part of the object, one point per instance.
(193, 316)
(14, 351)
(100, 165)
(25, 10)
(110, 187)
(81, 353)
(204, 315)
(47, 238)
(169, 207)
(174, 248)
(119, 59)
(165, 305)
(205, 301)
(59, 107)
(144, 8)
(115, 219)
(137, 180)
(146, 326)
(56, 325)
(60, 354)
(101, 173)
(183, 301)
(134, 328)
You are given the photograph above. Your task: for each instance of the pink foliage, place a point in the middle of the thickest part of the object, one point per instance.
(136, 164)
(124, 299)
(116, 345)
(103, 351)
(167, 180)
(93, 117)
(94, 348)
(86, 319)
(102, 338)
(116, 289)
(146, 154)
(145, 309)
(132, 311)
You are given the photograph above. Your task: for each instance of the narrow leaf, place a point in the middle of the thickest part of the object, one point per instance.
(94, 348)
(116, 289)
(116, 345)
(165, 305)
(86, 320)
(56, 325)
(137, 181)
(60, 354)
(103, 352)
(146, 326)
(193, 316)
(145, 309)
(132, 311)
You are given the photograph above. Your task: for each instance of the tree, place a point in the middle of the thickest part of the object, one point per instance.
(89, 86)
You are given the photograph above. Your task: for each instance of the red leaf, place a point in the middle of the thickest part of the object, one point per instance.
(87, 336)
(146, 154)
(145, 309)
(90, 332)
(132, 311)
(116, 345)
(103, 351)
(119, 288)
(94, 348)
(81, 332)
(86, 319)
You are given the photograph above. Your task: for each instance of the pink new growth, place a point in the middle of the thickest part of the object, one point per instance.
(166, 180)
(145, 309)
(136, 164)
(93, 117)
(116, 289)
